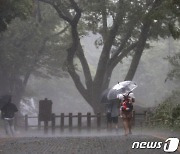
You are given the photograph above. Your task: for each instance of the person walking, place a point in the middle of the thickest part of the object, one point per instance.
(126, 112)
(112, 114)
(115, 113)
(7, 113)
(108, 116)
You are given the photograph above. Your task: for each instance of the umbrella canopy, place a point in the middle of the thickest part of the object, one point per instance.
(123, 88)
(5, 99)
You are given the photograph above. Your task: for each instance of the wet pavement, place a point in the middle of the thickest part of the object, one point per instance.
(92, 142)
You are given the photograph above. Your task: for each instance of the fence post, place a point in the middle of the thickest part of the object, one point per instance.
(88, 120)
(98, 121)
(53, 122)
(62, 122)
(70, 121)
(39, 123)
(133, 118)
(45, 127)
(26, 122)
(145, 115)
(79, 121)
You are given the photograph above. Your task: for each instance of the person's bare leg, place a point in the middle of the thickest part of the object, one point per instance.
(116, 124)
(130, 122)
(129, 125)
(6, 126)
(125, 124)
(11, 124)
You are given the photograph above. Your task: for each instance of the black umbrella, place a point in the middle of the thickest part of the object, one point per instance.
(103, 98)
(5, 99)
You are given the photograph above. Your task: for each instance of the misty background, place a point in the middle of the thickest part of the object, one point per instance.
(41, 58)
(150, 77)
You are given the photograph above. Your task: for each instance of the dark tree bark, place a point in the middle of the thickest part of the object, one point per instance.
(139, 50)
(142, 41)
(104, 19)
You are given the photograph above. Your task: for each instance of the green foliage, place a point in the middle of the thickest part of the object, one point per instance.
(22, 8)
(165, 19)
(174, 60)
(176, 112)
(168, 112)
(10, 9)
(29, 47)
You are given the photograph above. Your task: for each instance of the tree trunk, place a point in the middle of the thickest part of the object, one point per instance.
(95, 101)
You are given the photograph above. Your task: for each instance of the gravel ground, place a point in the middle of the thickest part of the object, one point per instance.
(116, 144)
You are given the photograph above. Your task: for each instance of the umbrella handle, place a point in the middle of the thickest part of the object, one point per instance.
(129, 93)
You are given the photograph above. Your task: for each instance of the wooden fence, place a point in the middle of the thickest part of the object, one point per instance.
(83, 121)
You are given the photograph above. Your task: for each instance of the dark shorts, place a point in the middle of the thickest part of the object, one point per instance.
(109, 118)
(115, 120)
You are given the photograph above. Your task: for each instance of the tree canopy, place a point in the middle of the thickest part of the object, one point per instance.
(30, 47)
(10, 9)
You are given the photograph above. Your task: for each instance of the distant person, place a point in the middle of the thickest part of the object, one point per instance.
(112, 113)
(115, 113)
(126, 109)
(7, 113)
(108, 115)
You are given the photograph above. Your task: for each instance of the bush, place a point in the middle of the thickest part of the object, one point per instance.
(168, 111)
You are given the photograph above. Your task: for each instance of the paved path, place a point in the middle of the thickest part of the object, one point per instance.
(83, 143)
(92, 143)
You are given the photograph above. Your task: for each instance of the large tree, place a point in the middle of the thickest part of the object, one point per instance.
(125, 28)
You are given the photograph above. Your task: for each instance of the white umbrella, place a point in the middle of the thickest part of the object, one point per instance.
(123, 88)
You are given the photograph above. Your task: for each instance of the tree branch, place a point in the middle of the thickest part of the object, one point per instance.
(39, 53)
(75, 35)
(71, 52)
(104, 19)
(130, 25)
(61, 11)
(78, 83)
(47, 1)
(138, 51)
(62, 14)
(142, 40)
(104, 57)
(73, 21)
(123, 54)
(78, 12)
(111, 65)
(85, 66)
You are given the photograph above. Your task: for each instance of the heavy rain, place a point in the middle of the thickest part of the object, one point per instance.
(79, 76)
